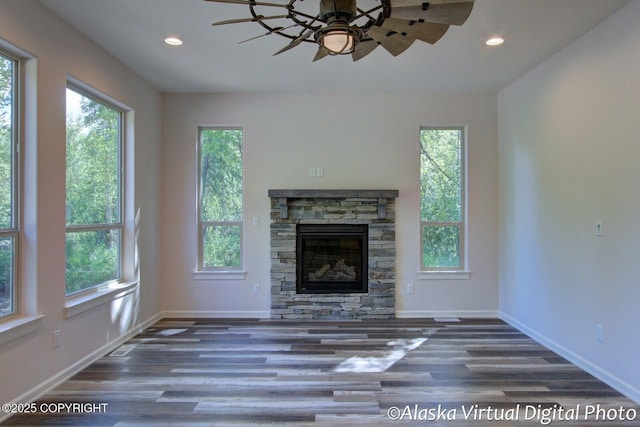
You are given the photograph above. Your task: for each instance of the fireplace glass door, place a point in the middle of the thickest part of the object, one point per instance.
(331, 258)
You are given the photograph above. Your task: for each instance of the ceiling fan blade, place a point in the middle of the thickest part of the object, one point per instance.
(250, 3)
(449, 14)
(322, 52)
(395, 43)
(427, 32)
(405, 3)
(295, 42)
(275, 30)
(366, 13)
(237, 21)
(363, 49)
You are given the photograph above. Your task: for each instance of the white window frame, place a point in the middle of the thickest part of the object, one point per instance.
(26, 319)
(13, 231)
(91, 93)
(462, 270)
(217, 272)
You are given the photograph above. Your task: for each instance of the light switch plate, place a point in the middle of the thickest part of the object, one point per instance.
(599, 228)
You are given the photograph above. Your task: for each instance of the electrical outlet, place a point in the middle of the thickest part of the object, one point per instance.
(312, 171)
(256, 222)
(410, 288)
(319, 171)
(256, 288)
(56, 338)
(599, 333)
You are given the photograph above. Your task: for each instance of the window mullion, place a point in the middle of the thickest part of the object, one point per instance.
(442, 224)
(93, 227)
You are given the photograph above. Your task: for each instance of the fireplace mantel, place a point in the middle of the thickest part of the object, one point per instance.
(284, 195)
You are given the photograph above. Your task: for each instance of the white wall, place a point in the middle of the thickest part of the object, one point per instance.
(569, 151)
(363, 141)
(27, 363)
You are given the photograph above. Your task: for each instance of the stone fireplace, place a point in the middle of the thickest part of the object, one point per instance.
(333, 254)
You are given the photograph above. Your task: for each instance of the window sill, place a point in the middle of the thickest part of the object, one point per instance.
(87, 301)
(220, 275)
(444, 275)
(18, 327)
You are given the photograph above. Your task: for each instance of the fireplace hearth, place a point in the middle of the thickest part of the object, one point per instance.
(332, 258)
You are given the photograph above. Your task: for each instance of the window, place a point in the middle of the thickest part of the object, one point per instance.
(220, 199)
(94, 208)
(442, 195)
(8, 185)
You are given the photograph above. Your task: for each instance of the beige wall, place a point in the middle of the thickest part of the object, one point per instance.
(569, 150)
(28, 362)
(568, 156)
(363, 141)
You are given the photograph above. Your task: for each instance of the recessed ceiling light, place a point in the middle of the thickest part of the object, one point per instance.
(173, 41)
(495, 41)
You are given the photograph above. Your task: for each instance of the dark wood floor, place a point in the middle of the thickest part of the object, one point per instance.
(401, 372)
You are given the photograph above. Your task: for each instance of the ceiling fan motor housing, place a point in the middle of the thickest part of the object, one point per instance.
(337, 10)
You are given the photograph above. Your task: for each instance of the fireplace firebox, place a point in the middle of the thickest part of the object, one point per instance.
(332, 258)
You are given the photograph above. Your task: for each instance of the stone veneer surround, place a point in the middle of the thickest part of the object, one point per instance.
(373, 207)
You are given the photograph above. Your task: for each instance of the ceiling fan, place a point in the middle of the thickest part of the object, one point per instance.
(341, 27)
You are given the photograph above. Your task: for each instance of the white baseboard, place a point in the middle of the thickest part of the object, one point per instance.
(422, 314)
(218, 314)
(266, 314)
(73, 369)
(606, 377)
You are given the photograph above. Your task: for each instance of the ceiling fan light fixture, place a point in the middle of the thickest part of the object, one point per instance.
(338, 39)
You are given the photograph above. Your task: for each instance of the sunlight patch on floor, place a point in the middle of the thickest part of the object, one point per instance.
(123, 350)
(399, 349)
(169, 332)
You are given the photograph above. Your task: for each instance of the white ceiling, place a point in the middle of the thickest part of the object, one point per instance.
(210, 60)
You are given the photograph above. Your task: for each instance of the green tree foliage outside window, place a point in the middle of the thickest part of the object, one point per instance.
(8, 186)
(220, 198)
(93, 193)
(442, 198)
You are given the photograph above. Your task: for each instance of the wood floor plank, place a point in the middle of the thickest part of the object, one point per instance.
(245, 372)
